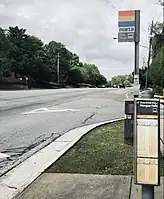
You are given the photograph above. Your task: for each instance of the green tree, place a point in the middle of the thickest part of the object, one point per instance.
(157, 71)
(27, 56)
(4, 61)
(126, 80)
(16, 38)
(157, 65)
(119, 79)
(67, 59)
(92, 75)
(33, 59)
(75, 76)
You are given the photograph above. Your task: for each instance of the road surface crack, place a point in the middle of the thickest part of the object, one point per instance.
(19, 151)
(90, 117)
(20, 154)
(11, 187)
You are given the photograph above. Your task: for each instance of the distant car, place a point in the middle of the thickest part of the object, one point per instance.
(122, 86)
(114, 86)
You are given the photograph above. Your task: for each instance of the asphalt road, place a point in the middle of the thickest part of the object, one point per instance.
(29, 120)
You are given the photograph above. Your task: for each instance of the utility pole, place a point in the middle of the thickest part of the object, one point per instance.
(58, 69)
(149, 54)
(136, 49)
(3, 33)
(162, 56)
(144, 63)
(162, 4)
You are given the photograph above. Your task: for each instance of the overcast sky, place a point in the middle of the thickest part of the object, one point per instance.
(86, 27)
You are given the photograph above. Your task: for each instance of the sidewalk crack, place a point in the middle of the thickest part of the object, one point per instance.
(130, 188)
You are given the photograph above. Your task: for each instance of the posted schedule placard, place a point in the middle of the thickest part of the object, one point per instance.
(147, 140)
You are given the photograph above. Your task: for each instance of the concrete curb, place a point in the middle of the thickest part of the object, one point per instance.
(16, 180)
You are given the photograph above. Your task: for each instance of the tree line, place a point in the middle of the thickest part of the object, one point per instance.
(155, 74)
(26, 55)
(125, 80)
(156, 77)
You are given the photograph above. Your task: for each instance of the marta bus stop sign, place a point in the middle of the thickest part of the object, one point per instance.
(129, 26)
(126, 26)
(147, 141)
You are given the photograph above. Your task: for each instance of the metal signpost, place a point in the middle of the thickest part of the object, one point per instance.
(129, 31)
(146, 126)
(147, 145)
(129, 121)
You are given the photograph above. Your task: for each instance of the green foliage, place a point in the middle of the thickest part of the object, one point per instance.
(93, 75)
(158, 39)
(122, 79)
(86, 73)
(157, 71)
(157, 65)
(75, 76)
(27, 56)
(4, 61)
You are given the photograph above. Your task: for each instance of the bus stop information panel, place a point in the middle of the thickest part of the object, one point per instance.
(147, 141)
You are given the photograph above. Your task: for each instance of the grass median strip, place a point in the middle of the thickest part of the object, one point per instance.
(101, 151)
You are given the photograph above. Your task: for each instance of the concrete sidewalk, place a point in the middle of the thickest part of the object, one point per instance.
(82, 186)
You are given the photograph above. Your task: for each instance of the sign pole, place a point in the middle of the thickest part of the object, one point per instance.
(147, 192)
(146, 114)
(136, 53)
(129, 31)
(136, 70)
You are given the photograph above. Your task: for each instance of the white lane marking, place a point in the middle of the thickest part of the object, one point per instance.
(49, 110)
(3, 156)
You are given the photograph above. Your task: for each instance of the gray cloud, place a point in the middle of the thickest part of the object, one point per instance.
(85, 26)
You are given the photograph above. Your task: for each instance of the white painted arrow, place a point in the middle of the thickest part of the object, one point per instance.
(3, 156)
(50, 110)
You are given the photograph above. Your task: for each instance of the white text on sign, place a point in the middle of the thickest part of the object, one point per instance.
(127, 29)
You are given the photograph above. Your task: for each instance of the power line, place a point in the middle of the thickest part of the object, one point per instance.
(163, 10)
(159, 16)
(153, 11)
(161, 2)
(149, 54)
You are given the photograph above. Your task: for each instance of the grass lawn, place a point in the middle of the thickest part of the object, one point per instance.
(102, 151)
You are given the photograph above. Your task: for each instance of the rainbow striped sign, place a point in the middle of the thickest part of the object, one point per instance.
(126, 19)
(126, 25)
